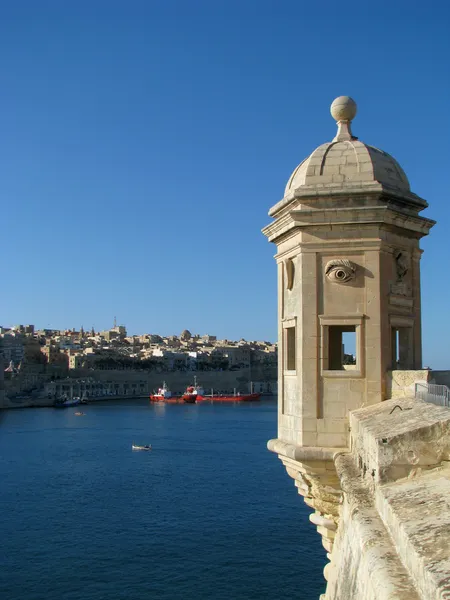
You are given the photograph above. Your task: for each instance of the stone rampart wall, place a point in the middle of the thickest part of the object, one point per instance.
(381, 506)
(392, 534)
(178, 380)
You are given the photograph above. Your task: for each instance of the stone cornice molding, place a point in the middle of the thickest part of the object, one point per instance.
(303, 454)
(360, 216)
(332, 247)
(348, 190)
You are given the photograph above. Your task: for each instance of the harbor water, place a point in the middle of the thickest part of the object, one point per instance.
(209, 512)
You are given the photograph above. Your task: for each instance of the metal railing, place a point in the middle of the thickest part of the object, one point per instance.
(432, 392)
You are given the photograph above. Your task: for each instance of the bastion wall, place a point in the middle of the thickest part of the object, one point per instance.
(394, 521)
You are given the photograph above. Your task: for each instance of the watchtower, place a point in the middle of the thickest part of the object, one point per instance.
(347, 233)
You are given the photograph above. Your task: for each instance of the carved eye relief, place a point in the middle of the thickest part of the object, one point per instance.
(290, 273)
(340, 275)
(340, 270)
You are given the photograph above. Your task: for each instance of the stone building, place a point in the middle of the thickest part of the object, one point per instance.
(347, 233)
(13, 344)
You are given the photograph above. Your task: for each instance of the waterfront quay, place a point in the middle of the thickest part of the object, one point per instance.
(25, 391)
(42, 366)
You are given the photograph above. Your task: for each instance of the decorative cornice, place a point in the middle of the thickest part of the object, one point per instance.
(351, 190)
(359, 216)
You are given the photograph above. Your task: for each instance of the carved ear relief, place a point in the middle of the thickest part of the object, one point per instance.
(401, 264)
(340, 270)
(290, 273)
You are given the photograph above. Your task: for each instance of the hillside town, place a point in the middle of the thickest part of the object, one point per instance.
(61, 351)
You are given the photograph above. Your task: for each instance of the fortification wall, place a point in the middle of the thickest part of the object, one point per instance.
(381, 506)
(178, 380)
(392, 536)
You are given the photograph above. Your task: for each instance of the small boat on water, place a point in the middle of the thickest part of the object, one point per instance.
(80, 414)
(146, 447)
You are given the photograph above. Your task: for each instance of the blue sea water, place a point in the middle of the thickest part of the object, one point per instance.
(208, 513)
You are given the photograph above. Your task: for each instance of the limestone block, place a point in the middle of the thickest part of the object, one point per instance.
(332, 425)
(357, 385)
(336, 410)
(416, 512)
(289, 435)
(365, 565)
(332, 440)
(311, 439)
(402, 383)
(374, 386)
(309, 425)
(394, 438)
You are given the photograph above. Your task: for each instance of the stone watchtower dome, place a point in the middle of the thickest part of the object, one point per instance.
(347, 233)
(349, 162)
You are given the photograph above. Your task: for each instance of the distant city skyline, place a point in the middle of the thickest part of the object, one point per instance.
(129, 333)
(143, 145)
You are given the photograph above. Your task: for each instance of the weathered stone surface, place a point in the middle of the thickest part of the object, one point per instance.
(401, 384)
(364, 563)
(392, 539)
(395, 438)
(417, 514)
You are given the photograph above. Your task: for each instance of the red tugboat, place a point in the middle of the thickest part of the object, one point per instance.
(195, 393)
(165, 395)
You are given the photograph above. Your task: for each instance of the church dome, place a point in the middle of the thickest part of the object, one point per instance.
(345, 162)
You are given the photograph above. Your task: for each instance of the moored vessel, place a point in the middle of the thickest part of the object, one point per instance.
(165, 395)
(229, 398)
(195, 393)
(64, 402)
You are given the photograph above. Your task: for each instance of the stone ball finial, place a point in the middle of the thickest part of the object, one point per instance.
(343, 109)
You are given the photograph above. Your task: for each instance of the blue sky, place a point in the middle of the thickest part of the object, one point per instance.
(142, 144)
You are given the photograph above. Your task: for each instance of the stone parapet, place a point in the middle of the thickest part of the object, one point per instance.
(364, 564)
(392, 539)
(399, 438)
(381, 507)
(401, 384)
